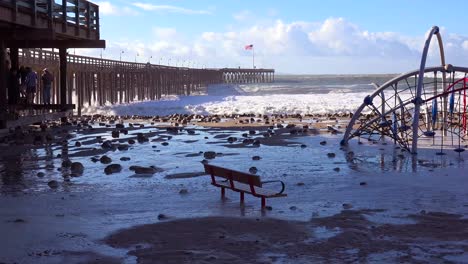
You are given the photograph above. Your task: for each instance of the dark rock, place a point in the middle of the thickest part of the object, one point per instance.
(252, 132)
(66, 163)
(78, 144)
(119, 126)
(145, 170)
(231, 139)
(183, 191)
(209, 155)
(293, 207)
(107, 145)
(303, 146)
(162, 217)
(123, 147)
(165, 143)
(363, 183)
(40, 174)
(105, 159)
(77, 168)
(256, 158)
(113, 168)
(115, 134)
(53, 184)
(347, 206)
(94, 159)
(336, 169)
(300, 184)
(269, 208)
(253, 170)
(131, 141)
(124, 158)
(331, 155)
(256, 143)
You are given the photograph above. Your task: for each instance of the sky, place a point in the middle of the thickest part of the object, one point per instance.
(294, 37)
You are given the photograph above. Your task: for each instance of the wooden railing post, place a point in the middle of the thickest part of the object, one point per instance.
(64, 16)
(88, 19)
(96, 16)
(77, 17)
(14, 9)
(34, 12)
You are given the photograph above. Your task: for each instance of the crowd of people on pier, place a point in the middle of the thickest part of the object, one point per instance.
(22, 85)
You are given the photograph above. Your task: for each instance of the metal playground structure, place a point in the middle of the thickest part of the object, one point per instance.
(429, 104)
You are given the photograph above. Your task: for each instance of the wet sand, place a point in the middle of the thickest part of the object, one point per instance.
(365, 203)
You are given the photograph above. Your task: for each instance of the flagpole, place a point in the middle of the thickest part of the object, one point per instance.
(253, 58)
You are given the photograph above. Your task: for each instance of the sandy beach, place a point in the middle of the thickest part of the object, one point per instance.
(367, 202)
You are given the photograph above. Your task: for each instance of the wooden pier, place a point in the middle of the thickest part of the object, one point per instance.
(237, 75)
(33, 30)
(26, 24)
(95, 81)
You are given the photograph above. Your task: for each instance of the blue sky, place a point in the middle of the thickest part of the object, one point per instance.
(316, 37)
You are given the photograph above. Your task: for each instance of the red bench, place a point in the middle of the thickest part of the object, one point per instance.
(241, 182)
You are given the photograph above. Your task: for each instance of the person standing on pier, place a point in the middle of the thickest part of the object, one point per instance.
(47, 80)
(31, 83)
(13, 88)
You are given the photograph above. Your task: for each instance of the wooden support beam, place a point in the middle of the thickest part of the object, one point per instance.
(3, 88)
(58, 44)
(22, 34)
(63, 76)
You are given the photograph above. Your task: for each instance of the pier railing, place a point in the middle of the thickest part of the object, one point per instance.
(76, 18)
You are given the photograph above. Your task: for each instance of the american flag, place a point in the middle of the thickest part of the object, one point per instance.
(249, 47)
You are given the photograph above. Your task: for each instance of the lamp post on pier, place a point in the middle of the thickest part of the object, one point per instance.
(121, 52)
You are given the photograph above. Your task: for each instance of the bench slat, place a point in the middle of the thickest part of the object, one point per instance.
(246, 188)
(233, 175)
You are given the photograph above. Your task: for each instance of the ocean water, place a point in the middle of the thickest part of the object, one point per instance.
(289, 94)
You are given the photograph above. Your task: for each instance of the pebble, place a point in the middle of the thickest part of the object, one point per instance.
(256, 158)
(124, 158)
(77, 168)
(105, 159)
(209, 154)
(53, 184)
(113, 168)
(331, 155)
(162, 217)
(323, 143)
(253, 170)
(336, 169)
(40, 174)
(66, 163)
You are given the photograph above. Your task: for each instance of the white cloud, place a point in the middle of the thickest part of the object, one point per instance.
(244, 15)
(171, 9)
(165, 33)
(106, 8)
(465, 45)
(334, 45)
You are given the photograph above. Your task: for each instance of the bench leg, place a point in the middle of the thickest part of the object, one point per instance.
(241, 197)
(223, 192)
(263, 202)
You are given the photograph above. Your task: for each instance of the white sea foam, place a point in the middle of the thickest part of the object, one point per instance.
(231, 99)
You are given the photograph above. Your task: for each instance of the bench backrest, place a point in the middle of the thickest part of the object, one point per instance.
(234, 175)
